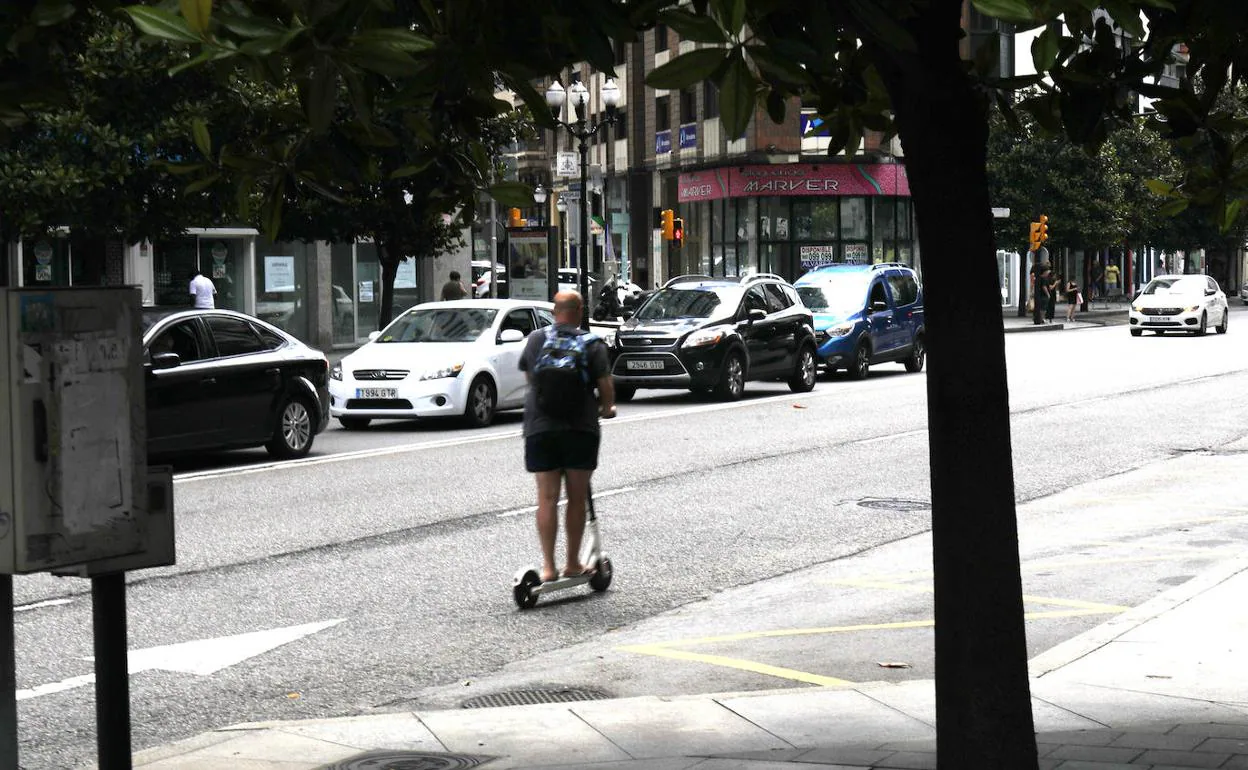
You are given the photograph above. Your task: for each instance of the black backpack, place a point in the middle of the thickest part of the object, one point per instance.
(561, 374)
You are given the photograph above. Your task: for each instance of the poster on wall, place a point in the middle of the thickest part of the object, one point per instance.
(279, 274)
(527, 263)
(857, 254)
(366, 291)
(405, 278)
(218, 271)
(43, 272)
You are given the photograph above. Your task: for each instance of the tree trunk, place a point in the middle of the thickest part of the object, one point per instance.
(389, 254)
(983, 699)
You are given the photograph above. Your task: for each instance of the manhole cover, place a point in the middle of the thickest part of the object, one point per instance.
(894, 504)
(530, 697)
(407, 760)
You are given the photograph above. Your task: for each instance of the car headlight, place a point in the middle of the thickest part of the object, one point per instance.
(840, 330)
(703, 337)
(1191, 309)
(1137, 308)
(336, 372)
(451, 370)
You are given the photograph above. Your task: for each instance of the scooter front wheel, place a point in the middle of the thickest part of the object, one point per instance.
(522, 592)
(602, 575)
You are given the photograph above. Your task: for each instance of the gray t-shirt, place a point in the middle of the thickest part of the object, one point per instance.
(599, 366)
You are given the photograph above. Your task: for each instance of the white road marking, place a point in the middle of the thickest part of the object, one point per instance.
(564, 500)
(203, 657)
(243, 470)
(41, 605)
(892, 436)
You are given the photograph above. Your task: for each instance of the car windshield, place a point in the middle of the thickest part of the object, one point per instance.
(838, 297)
(691, 301)
(1195, 284)
(460, 324)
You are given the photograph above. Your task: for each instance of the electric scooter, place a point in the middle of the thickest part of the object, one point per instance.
(528, 584)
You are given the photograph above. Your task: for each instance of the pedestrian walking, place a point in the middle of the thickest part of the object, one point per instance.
(1073, 299)
(454, 288)
(1050, 308)
(564, 366)
(203, 291)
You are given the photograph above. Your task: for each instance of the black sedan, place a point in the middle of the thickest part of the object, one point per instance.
(217, 379)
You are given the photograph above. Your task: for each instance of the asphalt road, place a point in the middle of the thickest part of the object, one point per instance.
(738, 531)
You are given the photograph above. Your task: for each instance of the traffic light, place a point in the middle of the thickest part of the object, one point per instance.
(678, 233)
(667, 223)
(515, 220)
(1039, 232)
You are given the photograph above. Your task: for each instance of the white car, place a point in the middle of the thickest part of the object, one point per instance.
(1179, 303)
(439, 359)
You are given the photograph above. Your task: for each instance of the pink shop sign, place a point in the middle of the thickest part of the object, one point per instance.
(812, 179)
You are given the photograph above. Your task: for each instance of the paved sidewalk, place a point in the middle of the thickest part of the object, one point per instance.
(1162, 686)
(1098, 314)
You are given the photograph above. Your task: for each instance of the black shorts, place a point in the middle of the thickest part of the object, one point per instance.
(558, 450)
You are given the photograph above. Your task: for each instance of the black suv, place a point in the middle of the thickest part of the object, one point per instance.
(713, 334)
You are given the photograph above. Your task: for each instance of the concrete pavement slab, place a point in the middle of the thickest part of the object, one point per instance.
(672, 763)
(402, 731)
(818, 717)
(202, 762)
(274, 746)
(653, 727)
(532, 735)
(1113, 707)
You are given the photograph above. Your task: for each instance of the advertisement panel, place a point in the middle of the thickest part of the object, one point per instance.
(528, 263)
(811, 179)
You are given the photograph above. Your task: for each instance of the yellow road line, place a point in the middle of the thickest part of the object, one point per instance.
(779, 672)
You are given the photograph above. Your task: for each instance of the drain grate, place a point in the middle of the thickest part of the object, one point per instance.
(408, 760)
(531, 697)
(894, 504)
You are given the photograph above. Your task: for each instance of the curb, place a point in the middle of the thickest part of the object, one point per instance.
(1092, 640)
(1023, 329)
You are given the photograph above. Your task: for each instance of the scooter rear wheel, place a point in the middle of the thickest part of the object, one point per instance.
(522, 592)
(602, 576)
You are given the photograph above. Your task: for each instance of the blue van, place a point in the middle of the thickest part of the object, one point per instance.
(864, 315)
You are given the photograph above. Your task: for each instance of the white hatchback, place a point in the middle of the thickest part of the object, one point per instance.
(1179, 303)
(439, 359)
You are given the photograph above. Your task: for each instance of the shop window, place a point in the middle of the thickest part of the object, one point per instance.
(368, 287)
(281, 287)
(773, 219)
(855, 218)
(824, 218)
(621, 124)
(221, 259)
(175, 262)
(621, 52)
(344, 289)
(802, 222)
(234, 336)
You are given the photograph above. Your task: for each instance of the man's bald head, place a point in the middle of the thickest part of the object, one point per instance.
(568, 307)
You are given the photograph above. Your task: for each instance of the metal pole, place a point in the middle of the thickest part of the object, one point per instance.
(493, 248)
(112, 671)
(583, 135)
(8, 676)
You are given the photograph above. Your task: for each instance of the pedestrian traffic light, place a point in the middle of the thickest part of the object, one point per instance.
(678, 233)
(667, 223)
(1039, 232)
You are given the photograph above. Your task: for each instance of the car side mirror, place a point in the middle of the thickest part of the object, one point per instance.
(755, 314)
(510, 335)
(373, 335)
(1210, 292)
(879, 306)
(166, 361)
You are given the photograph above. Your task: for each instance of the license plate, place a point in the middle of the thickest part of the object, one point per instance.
(376, 393)
(645, 365)
(1160, 319)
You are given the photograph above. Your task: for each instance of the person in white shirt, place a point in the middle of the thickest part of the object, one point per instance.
(203, 291)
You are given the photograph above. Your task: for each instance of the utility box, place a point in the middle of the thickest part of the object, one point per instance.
(73, 432)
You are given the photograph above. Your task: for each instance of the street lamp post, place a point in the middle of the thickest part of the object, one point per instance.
(562, 205)
(539, 197)
(583, 130)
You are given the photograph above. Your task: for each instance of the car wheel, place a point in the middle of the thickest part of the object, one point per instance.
(732, 379)
(1204, 325)
(861, 365)
(293, 429)
(482, 402)
(918, 354)
(1226, 319)
(624, 393)
(354, 423)
(1137, 332)
(803, 380)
